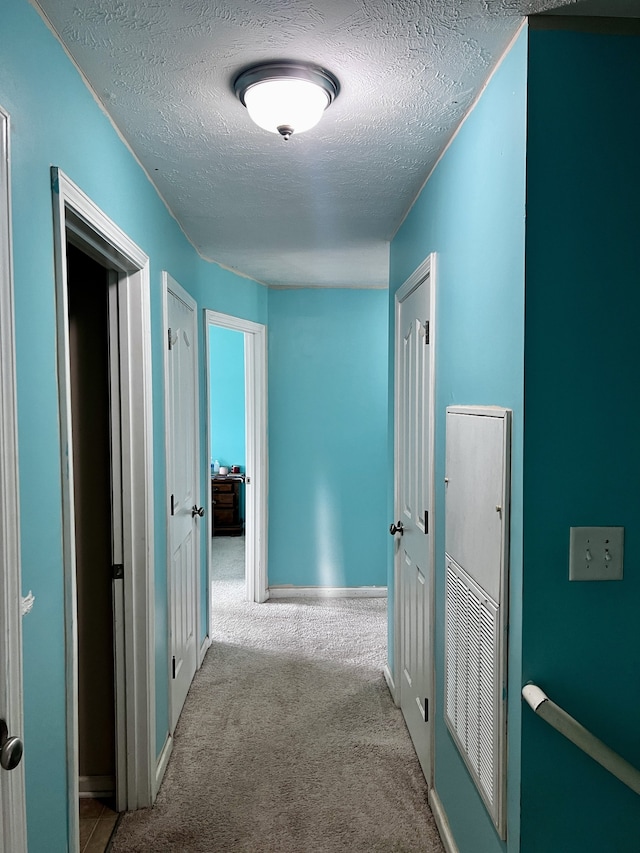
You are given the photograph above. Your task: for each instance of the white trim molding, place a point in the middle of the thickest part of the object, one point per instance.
(388, 677)
(161, 766)
(255, 360)
(442, 822)
(204, 648)
(286, 591)
(13, 828)
(77, 217)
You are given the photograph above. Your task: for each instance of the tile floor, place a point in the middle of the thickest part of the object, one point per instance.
(97, 822)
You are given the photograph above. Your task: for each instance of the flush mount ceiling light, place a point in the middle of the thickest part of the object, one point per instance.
(286, 97)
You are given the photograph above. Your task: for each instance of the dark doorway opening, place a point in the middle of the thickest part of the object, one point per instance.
(89, 351)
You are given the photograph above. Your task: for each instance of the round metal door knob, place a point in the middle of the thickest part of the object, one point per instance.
(396, 528)
(11, 748)
(197, 510)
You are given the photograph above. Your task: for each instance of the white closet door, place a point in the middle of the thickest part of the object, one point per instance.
(182, 466)
(413, 488)
(12, 795)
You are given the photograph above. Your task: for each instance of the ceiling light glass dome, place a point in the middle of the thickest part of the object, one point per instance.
(286, 97)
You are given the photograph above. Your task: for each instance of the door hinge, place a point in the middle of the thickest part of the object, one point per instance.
(426, 521)
(118, 571)
(426, 331)
(173, 667)
(169, 338)
(426, 710)
(172, 504)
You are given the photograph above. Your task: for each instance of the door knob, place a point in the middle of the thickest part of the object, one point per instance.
(396, 528)
(195, 510)
(10, 748)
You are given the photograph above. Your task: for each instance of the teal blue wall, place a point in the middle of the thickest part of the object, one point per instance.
(327, 437)
(471, 213)
(582, 455)
(226, 396)
(55, 120)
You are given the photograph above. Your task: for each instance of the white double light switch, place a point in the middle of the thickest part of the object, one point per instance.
(596, 553)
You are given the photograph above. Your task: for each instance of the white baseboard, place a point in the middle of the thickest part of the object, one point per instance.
(388, 677)
(96, 786)
(161, 766)
(440, 817)
(327, 591)
(203, 650)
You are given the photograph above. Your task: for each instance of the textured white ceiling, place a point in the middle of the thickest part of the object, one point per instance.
(321, 208)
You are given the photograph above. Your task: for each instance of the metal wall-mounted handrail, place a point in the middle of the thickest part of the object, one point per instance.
(575, 732)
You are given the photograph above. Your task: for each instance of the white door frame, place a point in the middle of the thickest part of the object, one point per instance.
(169, 284)
(426, 270)
(134, 635)
(255, 360)
(13, 821)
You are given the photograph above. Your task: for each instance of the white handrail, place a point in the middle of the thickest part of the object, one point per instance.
(575, 732)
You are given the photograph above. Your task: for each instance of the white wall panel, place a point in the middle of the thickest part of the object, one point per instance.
(476, 545)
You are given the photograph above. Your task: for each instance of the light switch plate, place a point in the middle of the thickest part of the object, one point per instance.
(596, 553)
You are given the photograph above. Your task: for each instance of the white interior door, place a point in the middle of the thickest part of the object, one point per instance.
(182, 459)
(12, 806)
(12, 801)
(413, 509)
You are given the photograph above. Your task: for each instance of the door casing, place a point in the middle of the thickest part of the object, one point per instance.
(255, 359)
(426, 270)
(13, 821)
(77, 216)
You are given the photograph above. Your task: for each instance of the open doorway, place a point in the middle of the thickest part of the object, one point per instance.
(105, 433)
(91, 391)
(227, 436)
(240, 497)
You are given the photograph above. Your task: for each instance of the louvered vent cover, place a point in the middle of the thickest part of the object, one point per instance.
(473, 679)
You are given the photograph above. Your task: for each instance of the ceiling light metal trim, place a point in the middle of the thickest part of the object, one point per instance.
(284, 70)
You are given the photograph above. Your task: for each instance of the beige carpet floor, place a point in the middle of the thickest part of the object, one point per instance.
(289, 741)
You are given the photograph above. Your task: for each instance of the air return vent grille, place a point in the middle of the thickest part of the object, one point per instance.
(473, 683)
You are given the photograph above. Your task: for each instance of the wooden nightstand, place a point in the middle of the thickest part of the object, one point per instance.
(225, 505)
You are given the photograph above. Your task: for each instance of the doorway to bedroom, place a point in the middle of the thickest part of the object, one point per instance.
(237, 459)
(227, 438)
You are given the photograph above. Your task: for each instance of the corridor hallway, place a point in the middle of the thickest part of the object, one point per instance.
(289, 741)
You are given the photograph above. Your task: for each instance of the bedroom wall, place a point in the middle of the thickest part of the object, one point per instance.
(55, 120)
(582, 456)
(472, 214)
(327, 437)
(227, 396)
